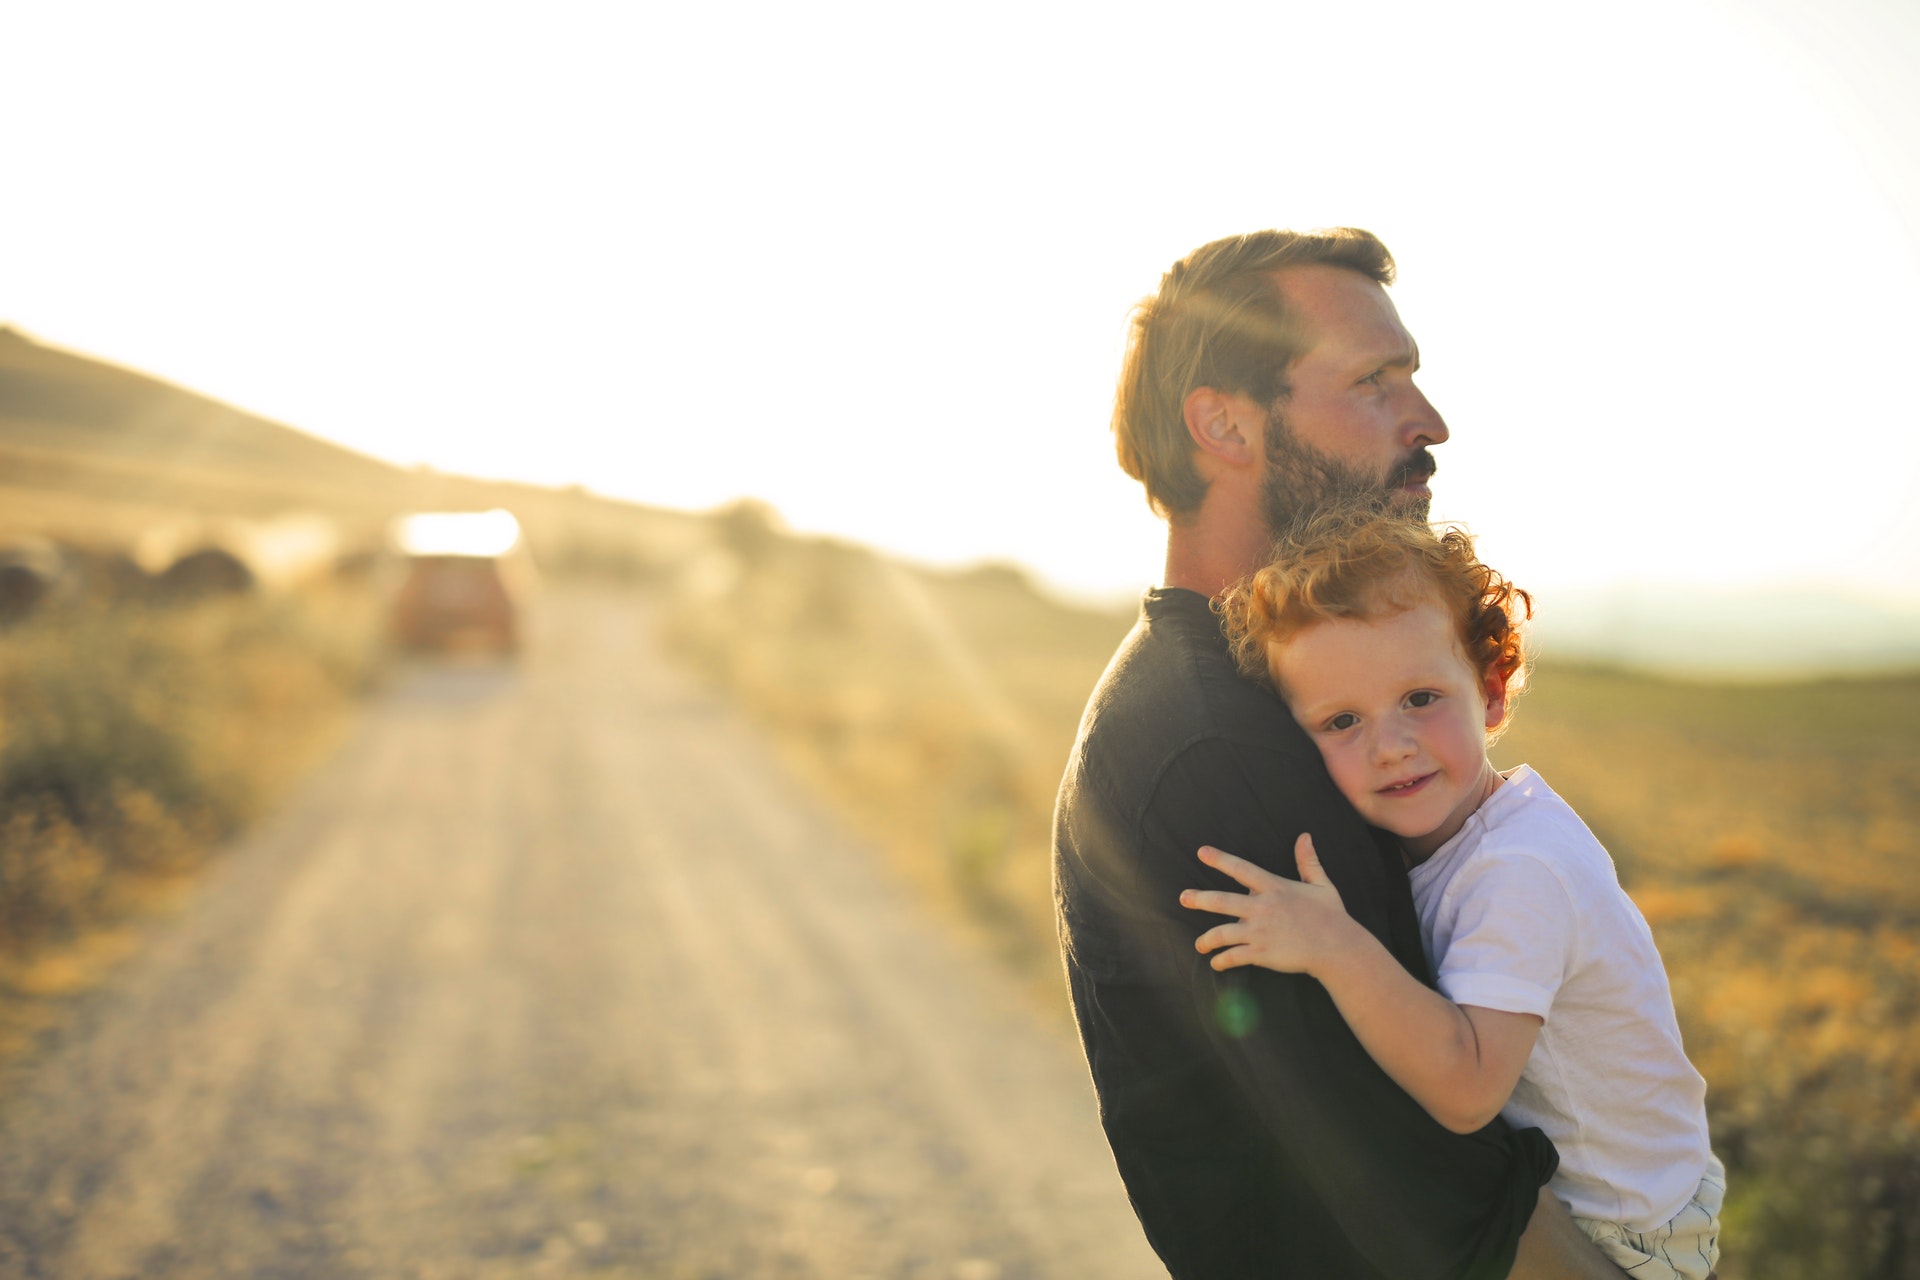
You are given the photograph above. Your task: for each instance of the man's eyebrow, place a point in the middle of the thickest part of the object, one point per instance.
(1407, 357)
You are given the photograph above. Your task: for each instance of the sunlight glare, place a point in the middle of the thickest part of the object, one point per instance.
(457, 533)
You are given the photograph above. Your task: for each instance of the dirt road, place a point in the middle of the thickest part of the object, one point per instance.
(553, 973)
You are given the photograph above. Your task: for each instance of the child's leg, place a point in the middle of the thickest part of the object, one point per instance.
(1685, 1249)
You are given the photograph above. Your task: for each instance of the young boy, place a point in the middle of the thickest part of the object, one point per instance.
(1400, 655)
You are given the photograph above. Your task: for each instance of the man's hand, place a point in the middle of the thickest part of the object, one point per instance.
(1555, 1248)
(1293, 928)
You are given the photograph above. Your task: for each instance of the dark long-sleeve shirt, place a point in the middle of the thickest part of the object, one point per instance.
(1254, 1134)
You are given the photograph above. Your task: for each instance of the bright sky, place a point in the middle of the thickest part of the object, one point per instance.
(873, 263)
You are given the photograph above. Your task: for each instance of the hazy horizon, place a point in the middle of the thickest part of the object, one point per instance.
(1786, 629)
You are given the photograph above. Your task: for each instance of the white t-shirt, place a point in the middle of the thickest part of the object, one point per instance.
(1522, 912)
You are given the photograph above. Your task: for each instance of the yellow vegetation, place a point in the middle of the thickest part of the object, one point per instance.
(133, 738)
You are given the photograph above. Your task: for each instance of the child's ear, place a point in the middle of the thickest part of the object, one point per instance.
(1496, 686)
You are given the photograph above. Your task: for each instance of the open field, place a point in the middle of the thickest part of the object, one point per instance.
(1769, 833)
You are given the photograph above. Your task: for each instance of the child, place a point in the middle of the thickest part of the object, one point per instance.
(1400, 655)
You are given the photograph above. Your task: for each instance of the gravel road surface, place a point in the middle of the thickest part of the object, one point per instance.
(554, 973)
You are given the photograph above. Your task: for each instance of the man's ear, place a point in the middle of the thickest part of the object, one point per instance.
(1228, 426)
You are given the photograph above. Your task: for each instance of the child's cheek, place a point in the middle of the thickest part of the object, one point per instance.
(1348, 775)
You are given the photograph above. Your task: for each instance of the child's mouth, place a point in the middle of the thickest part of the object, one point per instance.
(1411, 785)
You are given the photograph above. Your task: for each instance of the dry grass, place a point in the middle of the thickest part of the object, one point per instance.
(1768, 833)
(132, 740)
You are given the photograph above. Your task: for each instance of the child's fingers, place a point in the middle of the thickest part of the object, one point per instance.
(1218, 901)
(1311, 872)
(1221, 935)
(1239, 868)
(1310, 868)
(1232, 958)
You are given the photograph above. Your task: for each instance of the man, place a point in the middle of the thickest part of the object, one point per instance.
(1270, 373)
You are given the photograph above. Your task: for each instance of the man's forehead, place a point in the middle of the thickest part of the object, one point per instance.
(1326, 300)
(1324, 280)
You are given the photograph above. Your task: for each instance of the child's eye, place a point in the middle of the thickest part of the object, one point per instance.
(1345, 720)
(1422, 698)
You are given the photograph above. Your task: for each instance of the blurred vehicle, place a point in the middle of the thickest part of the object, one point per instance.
(461, 589)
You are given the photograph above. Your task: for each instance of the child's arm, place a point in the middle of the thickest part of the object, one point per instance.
(1460, 1062)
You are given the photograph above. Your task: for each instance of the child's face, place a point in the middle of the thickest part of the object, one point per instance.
(1400, 717)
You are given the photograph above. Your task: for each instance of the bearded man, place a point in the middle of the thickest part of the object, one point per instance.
(1270, 374)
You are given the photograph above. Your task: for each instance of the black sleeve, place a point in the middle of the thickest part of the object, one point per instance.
(1413, 1198)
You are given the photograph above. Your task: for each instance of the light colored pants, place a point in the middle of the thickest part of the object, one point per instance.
(1685, 1249)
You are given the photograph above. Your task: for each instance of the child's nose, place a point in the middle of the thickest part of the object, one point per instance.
(1392, 743)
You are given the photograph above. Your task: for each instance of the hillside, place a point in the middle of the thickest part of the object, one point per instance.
(97, 455)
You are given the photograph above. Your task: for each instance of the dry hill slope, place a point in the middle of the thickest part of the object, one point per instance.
(94, 454)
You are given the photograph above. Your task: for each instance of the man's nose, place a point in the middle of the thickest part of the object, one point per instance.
(1423, 424)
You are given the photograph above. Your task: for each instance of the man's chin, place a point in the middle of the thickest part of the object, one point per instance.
(1412, 500)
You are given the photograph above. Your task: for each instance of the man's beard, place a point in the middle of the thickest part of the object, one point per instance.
(1301, 480)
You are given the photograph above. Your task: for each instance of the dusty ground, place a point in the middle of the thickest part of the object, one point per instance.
(554, 974)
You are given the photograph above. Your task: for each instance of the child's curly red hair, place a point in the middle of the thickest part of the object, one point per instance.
(1362, 562)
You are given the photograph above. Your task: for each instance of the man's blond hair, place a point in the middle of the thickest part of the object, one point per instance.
(1218, 321)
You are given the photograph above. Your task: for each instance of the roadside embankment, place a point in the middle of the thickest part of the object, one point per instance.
(134, 737)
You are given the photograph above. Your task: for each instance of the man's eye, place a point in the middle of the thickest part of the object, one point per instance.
(1374, 379)
(1345, 720)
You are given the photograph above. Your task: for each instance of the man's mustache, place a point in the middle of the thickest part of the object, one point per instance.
(1415, 468)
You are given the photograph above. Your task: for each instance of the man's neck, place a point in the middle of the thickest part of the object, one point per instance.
(1211, 559)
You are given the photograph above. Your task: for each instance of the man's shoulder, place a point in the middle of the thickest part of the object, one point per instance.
(1173, 683)
(1175, 751)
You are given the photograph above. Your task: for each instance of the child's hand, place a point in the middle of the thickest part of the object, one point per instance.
(1291, 927)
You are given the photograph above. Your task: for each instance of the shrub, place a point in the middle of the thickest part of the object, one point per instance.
(133, 739)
